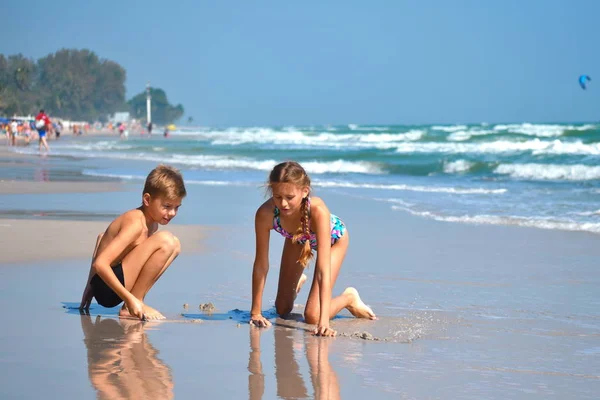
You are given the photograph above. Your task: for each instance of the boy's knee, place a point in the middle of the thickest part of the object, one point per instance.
(177, 244)
(169, 242)
(311, 317)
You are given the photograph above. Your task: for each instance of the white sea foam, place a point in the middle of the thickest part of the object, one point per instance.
(128, 177)
(188, 181)
(577, 172)
(587, 213)
(461, 136)
(541, 130)
(412, 188)
(411, 135)
(457, 166)
(231, 162)
(341, 166)
(450, 128)
(312, 167)
(317, 139)
(113, 145)
(362, 137)
(220, 183)
(354, 127)
(535, 146)
(531, 222)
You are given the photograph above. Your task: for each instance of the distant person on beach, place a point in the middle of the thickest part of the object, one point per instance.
(27, 131)
(307, 225)
(149, 128)
(57, 129)
(13, 129)
(43, 124)
(130, 256)
(121, 129)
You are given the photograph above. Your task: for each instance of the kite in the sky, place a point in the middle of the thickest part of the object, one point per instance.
(583, 80)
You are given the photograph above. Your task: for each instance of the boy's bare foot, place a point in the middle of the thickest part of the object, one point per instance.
(301, 283)
(124, 312)
(356, 306)
(151, 313)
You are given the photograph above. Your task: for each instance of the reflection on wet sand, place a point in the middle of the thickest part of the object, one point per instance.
(290, 384)
(122, 364)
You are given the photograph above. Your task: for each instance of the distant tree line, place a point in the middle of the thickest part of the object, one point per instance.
(74, 84)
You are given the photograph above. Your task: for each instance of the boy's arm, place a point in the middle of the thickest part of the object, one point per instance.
(321, 218)
(131, 228)
(88, 294)
(261, 266)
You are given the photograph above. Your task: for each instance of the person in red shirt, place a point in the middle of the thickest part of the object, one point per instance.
(43, 124)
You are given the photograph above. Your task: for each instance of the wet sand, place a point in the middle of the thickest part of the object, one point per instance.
(25, 240)
(23, 187)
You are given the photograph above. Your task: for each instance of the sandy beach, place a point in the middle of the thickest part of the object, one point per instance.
(465, 311)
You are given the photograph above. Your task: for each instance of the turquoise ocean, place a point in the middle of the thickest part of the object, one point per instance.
(536, 175)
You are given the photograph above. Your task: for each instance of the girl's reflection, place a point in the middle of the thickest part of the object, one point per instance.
(122, 364)
(290, 384)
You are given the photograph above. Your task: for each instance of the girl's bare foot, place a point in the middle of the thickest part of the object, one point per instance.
(151, 313)
(356, 306)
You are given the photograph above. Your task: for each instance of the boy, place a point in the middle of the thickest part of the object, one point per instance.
(43, 124)
(130, 256)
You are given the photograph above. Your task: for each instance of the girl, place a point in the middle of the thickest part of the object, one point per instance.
(306, 224)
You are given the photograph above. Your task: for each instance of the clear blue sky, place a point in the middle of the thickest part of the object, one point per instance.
(336, 62)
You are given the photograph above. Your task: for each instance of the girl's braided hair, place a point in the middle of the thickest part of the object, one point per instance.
(292, 172)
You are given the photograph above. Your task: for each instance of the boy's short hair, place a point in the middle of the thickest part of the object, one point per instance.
(166, 181)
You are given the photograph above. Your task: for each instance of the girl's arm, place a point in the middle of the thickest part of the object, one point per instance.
(262, 227)
(320, 221)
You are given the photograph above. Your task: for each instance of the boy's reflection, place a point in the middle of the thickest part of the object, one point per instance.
(290, 384)
(122, 364)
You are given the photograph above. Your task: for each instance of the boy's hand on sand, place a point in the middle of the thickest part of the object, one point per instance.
(135, 308)
(324, 330)
(87, 297)
(259, 320)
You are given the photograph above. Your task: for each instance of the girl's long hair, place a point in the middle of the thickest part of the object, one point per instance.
(292, 172)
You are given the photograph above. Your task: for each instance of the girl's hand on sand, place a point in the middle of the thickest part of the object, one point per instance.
(324, 330)
(87, 297)
(135, 308)
(259, 320)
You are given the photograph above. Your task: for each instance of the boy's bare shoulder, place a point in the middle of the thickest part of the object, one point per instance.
(131, 218)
